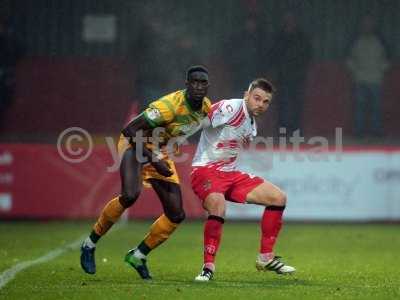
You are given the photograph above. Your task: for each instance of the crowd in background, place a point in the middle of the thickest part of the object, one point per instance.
(283, 56)
(237, 41)
(11, 52)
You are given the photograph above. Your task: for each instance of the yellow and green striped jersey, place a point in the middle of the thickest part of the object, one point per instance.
(174, 113)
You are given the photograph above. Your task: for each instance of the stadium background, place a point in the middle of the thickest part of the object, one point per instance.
(92, 64)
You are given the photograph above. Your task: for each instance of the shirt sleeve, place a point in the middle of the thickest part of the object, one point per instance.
(221, 113)
(159, 113)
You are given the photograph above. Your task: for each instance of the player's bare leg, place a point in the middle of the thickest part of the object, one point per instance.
(274, 200)
(131, 185)
(171, 199)
(215, 205)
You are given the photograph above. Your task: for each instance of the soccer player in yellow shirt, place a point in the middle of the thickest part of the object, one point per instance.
(178, 114)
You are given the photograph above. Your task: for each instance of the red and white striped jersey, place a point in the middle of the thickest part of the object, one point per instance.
(229, 128)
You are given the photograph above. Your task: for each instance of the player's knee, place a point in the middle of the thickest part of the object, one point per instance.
(177, 217)
(127, 199)
(216, 210)
(215, 205)
(280, 199)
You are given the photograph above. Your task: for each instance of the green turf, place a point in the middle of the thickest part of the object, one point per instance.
(333, 262)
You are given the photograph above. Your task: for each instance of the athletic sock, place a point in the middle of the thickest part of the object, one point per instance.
(266, 256)
(212, 238)
(210, 266)
(88, 243)
(94, 237)
(110, 214)
(143, 248)
(139, 254)
(271, 224)
(160, 231)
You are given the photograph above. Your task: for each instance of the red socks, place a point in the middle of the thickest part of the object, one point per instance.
(212, 237)
(271, 224)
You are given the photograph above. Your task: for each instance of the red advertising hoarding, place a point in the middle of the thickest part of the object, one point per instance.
(36, 182)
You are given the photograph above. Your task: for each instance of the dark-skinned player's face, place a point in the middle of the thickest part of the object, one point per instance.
(197, 86)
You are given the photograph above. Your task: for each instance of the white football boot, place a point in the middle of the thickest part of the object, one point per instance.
(274, 264)
(205, 275)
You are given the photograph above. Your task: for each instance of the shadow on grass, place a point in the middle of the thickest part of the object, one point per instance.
(274, 283)
(270, 283)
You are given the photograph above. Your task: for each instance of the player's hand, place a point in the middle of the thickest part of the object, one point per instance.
(162, 168)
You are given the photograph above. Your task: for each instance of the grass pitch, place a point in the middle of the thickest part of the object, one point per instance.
(333, 262)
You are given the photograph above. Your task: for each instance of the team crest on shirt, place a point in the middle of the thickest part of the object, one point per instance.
(207, 185)
(153, 113)
(229, 108)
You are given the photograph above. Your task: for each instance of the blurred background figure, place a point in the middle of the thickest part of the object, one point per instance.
(10, 54)
(242, 50)
(146, 57)
(288, 58)
(185, 51)
(368, 62)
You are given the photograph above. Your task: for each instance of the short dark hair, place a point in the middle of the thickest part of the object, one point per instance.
(263, 84)
(197, 68)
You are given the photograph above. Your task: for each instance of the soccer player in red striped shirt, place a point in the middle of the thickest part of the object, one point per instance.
(215, 177)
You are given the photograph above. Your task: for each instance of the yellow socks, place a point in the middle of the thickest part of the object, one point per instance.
(110, 214)
(160, 231)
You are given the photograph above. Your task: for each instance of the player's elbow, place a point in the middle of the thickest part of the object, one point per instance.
(138, 123)
(125, 132)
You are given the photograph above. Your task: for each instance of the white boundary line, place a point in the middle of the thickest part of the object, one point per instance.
(9, 274)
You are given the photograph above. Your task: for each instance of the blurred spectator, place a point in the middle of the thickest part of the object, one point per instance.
(289, 58)
(10, 54)
(147, 57)
(368, 62)
(243, 53)
(182, 54)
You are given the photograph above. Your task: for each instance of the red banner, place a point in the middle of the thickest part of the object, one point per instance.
(36, 182)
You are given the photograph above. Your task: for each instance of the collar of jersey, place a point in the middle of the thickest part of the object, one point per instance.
(246, 113)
